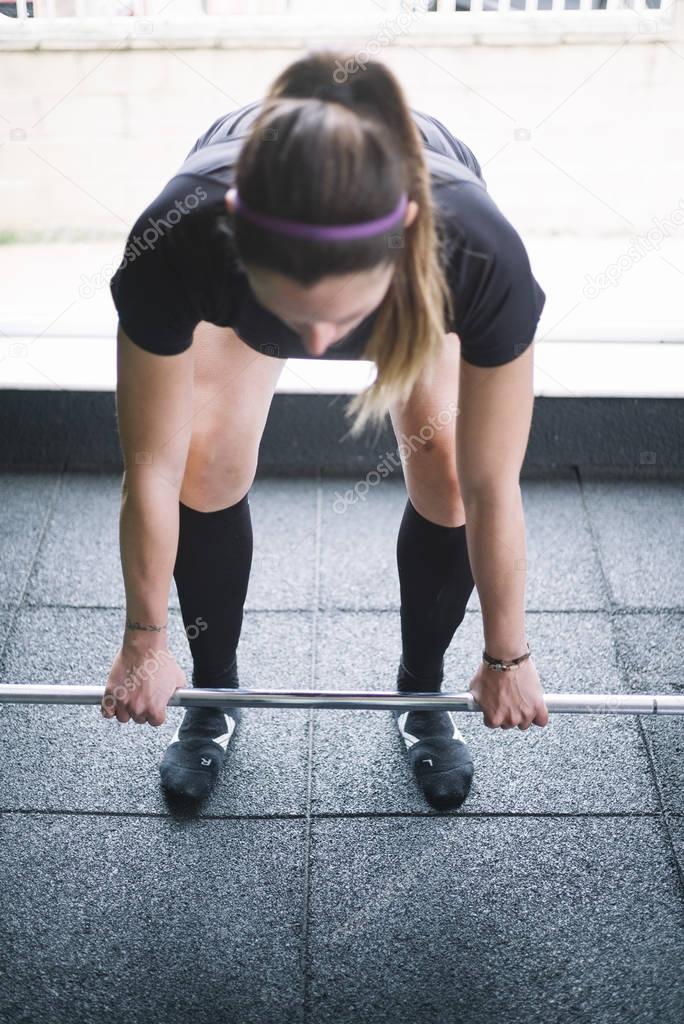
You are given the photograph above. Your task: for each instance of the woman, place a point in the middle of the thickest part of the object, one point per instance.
(327, 221)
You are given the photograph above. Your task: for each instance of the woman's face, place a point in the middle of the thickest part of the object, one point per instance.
(323, 313)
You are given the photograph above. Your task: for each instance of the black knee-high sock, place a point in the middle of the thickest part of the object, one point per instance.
(212, 568)
(435, 583)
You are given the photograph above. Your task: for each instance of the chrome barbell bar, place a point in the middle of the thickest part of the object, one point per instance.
(568, 703)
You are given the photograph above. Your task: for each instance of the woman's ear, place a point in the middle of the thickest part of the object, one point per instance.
(230, 200)
(411, 212)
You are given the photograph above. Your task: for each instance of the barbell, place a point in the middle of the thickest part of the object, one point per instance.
(567, 703)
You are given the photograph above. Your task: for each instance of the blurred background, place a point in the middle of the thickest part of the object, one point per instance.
(573, 108)
(574, 113)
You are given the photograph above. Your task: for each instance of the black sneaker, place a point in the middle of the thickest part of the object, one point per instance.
(197, 750)
(438, 753)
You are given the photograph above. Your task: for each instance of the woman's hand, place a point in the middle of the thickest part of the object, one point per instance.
(140, 683)
(510, 699)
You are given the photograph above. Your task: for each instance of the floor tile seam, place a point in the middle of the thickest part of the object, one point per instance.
(19, 605)
(624, 679)
(594, 540)
(327, 815)
(304, 964)
(523, 815)
(669, 838)
(67, 812)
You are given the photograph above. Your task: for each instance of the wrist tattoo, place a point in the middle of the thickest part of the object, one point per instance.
(140, 625)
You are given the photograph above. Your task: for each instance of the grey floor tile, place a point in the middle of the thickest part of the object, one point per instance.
(284, 526)
(676, 828)
(577, 763)
(26, 500)
(638, 524)
(110, 919)
(470, 921)
(358, 543)
(359, 533)
(6, 615)
(665, 738)
(70, 758)
(562, 566)
(649, 646)
(79, 561)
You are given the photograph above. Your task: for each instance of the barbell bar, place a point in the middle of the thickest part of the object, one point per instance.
(567, 703)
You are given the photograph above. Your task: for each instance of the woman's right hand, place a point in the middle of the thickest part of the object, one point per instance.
(510, 699)
(140, 683)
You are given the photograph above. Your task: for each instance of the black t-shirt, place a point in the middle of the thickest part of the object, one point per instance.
(180, 266)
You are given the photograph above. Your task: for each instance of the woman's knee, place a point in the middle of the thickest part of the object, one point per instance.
(438, 506)
(216, 477)
(432, 485)
(232, 391)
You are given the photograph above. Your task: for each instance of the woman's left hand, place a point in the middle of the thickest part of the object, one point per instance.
(510, 699)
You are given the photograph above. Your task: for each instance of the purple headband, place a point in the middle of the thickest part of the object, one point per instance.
(299, 229)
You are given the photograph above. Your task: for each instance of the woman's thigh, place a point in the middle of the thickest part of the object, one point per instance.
(425, 428)
(233, 386)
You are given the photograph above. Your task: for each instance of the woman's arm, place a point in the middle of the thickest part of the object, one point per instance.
(154, 414)
(494, 419)
(495, 532)
(495, 414)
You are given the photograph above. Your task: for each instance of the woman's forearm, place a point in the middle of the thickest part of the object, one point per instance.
(148, 536)
(495, 532)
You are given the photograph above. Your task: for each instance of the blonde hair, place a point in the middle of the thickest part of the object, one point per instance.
(344, 161)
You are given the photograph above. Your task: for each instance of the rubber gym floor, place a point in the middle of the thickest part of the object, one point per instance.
(315, 885)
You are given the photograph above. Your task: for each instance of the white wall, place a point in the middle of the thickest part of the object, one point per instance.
(575, 138)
